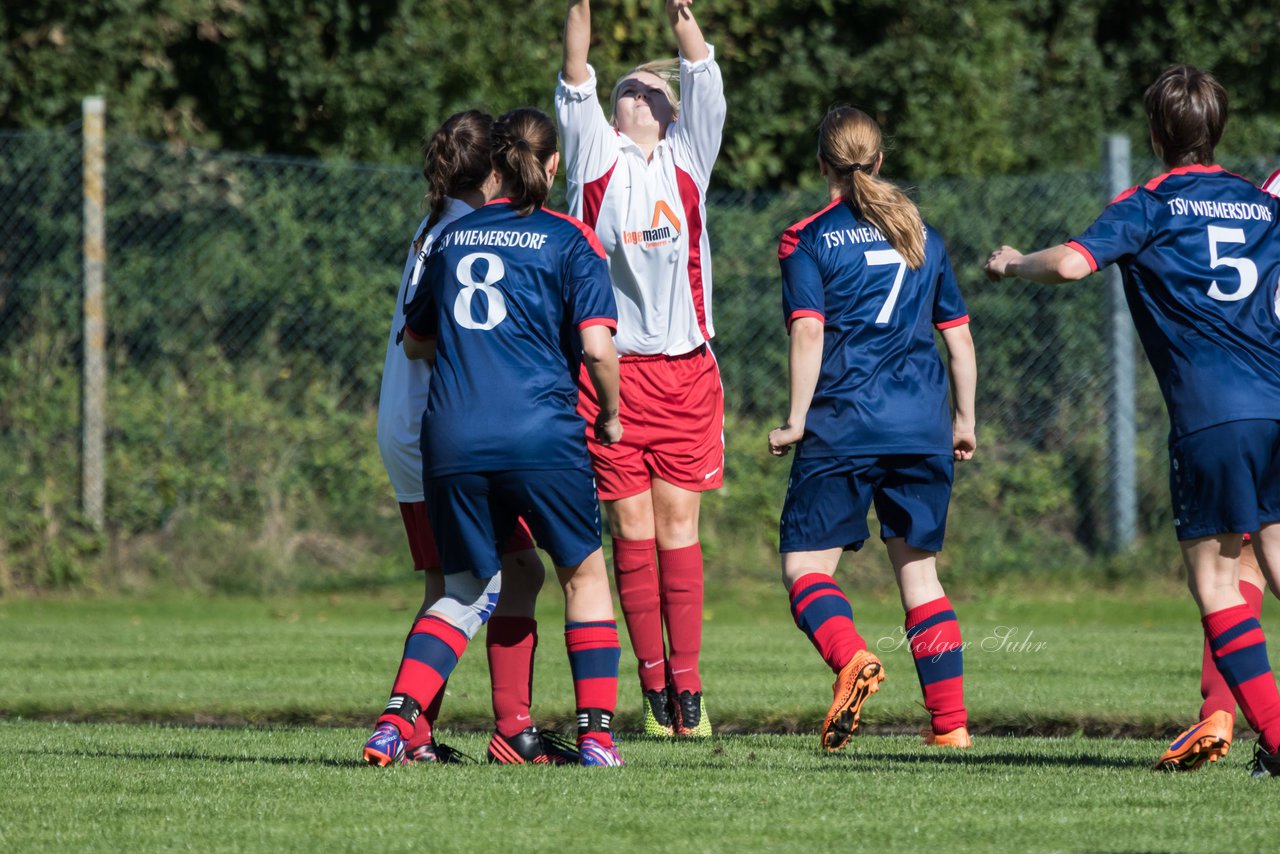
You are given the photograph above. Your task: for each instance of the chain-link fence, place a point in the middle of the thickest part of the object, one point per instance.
(248, 303)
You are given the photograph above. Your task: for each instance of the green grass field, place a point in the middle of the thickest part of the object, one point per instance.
(294, 684)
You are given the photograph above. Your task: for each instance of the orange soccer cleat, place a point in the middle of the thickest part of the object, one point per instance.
(958, 738)
(857, 681)
(1207, 741)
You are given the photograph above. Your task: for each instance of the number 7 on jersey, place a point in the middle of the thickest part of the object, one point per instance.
(883, 258)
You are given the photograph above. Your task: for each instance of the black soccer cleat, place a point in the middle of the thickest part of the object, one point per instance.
(1264, 764)
(691, 719)
(658, 713)
(531, 746)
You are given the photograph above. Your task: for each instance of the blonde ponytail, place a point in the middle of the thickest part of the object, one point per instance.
(849, 142)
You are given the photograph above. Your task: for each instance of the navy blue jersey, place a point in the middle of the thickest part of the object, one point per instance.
(505, 296)
(883, 387)
(1200, 253)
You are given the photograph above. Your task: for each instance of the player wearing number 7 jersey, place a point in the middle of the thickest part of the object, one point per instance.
(864, 285)
(1199, 249)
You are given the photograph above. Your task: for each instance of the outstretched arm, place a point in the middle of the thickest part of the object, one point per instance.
(805, 364)
(693, 46)
(1051, 266)
(963, 367)
(577, 42)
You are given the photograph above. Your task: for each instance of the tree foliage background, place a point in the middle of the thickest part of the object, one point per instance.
(977, 87)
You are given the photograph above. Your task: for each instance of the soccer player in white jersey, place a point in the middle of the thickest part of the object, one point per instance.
(1200, 252)
(458, 168)
(640, 179)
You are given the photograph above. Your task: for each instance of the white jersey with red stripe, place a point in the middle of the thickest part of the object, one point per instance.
(650, 215)
(1272, 184)
(405, 382)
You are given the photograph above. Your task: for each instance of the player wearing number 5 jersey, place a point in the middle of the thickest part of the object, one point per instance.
(513, 298)
(1199, 249)
(864, 284)
(639, 180)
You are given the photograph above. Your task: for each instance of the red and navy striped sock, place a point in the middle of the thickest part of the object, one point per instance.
(635, 568)
(594, 652)
(934, 635)
(680, 574)
(1240, 651)
(822, 611)
(1217, 694)
(511, 643)
(431, 652)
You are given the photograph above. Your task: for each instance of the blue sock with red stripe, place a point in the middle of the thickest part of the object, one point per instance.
(822, 612)
(431, 652)
(594, 653)
(934, 635)
(1240, 651)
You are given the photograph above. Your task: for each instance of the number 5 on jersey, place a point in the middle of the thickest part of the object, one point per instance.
(496, 304)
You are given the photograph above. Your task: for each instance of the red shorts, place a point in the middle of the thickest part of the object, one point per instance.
(672, 411)
(422, 542)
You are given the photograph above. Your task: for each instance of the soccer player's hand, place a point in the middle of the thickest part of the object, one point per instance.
(782, 438)
(678, 7)
(997, 266)
(964, 440)
(608, 429)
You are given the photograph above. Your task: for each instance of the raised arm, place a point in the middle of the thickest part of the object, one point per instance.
(805, 365)
(1051, 266)
(963, 367)
(692, 45)
(577, 42)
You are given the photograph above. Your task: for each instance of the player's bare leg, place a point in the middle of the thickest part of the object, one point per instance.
(1236, 637)
(1209, 738)
(823, 613)
(934, 635)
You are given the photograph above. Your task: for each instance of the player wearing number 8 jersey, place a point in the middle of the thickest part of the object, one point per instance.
(864, 285)
(514, 298)
(1199, 249)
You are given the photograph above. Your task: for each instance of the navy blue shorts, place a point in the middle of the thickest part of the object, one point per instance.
(828, 499)
(474, 514)
(1225, 479)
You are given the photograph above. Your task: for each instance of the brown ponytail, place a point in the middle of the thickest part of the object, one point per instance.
(849, 143)
(456, 159)
(524, 140)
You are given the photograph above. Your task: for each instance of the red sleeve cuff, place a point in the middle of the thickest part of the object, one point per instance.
(599, 321)
(1088, 256)
(416, 337)
(947, 324)
(804, 312)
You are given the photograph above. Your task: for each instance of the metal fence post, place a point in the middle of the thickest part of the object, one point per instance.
(1123, 427)
(93, 448)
